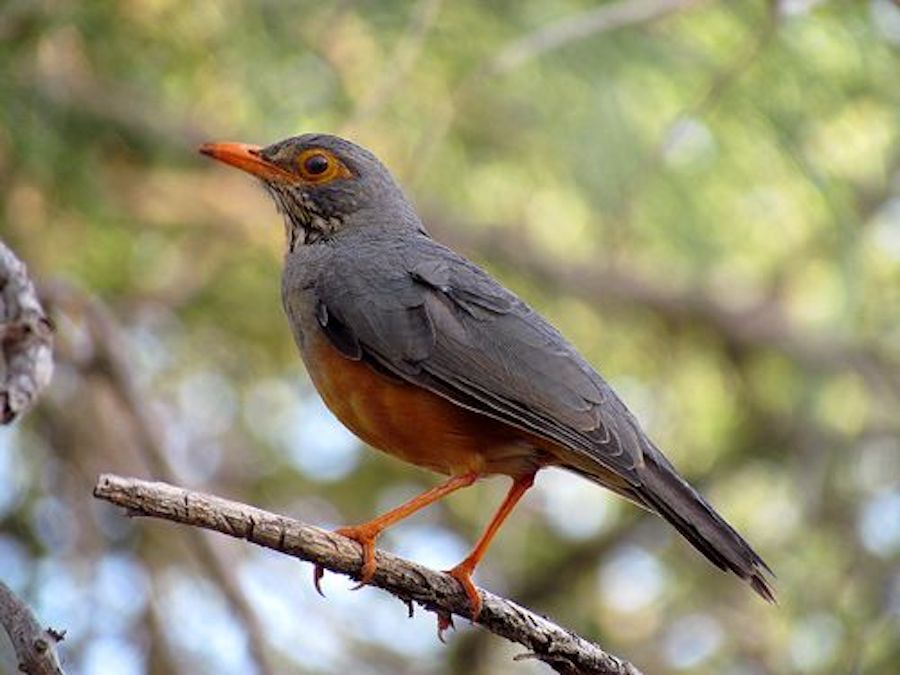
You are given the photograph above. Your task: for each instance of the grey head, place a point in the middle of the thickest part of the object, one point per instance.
(323, 185)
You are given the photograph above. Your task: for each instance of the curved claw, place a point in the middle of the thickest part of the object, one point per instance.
(463, 574)
(366, 539)
(445, 621)
(318, 573)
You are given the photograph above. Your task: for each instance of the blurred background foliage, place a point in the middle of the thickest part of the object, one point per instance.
(704, 196)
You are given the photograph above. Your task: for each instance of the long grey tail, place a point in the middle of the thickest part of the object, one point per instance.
(664, 492)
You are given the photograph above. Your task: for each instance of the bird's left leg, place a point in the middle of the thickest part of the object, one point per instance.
(366, 533)
(463, 571)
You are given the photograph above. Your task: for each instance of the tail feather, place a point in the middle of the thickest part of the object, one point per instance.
(669, 495)
(666, 493)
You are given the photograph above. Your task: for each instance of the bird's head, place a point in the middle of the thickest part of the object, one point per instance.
(322, 184)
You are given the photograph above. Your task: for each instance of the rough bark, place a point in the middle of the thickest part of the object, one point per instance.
(561, 649)
(26, 364)
(26, 340)
(35, 647)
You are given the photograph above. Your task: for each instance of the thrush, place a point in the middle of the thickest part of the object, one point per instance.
(423, 355)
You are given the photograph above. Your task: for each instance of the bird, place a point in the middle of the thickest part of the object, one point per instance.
(426, 357)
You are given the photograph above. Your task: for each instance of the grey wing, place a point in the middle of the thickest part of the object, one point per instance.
(428, 316)
(421, 313)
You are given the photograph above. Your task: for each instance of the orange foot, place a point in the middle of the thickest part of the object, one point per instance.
(463, 574)
(365, 537)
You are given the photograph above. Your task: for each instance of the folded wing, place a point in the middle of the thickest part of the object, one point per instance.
(434, 319)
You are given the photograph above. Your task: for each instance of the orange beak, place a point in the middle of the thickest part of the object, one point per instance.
(247, 158)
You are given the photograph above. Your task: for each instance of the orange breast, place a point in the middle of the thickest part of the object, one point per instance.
(412, 423)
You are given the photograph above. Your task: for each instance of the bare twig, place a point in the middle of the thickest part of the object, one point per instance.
(26, 339)
(35, 647)
(561, 649)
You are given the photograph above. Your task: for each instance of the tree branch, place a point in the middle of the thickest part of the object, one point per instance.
(35, 647)
(26, 340)
(26, 364)
(561, 649)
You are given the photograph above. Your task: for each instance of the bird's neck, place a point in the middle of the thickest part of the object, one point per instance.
(307, 228)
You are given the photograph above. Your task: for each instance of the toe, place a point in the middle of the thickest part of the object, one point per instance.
(368, 566)
(464, 576)
(366, 540)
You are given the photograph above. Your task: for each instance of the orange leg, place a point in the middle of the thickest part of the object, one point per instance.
(463, 571)
(366, 533)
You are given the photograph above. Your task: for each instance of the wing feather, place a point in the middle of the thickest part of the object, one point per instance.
(433, 318)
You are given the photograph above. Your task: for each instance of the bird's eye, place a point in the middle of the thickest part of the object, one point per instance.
(320, 166)
(316, 164)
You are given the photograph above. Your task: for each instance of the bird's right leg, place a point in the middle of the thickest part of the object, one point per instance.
(366, 533)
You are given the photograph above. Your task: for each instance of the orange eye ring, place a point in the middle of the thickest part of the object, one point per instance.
(320, 166)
